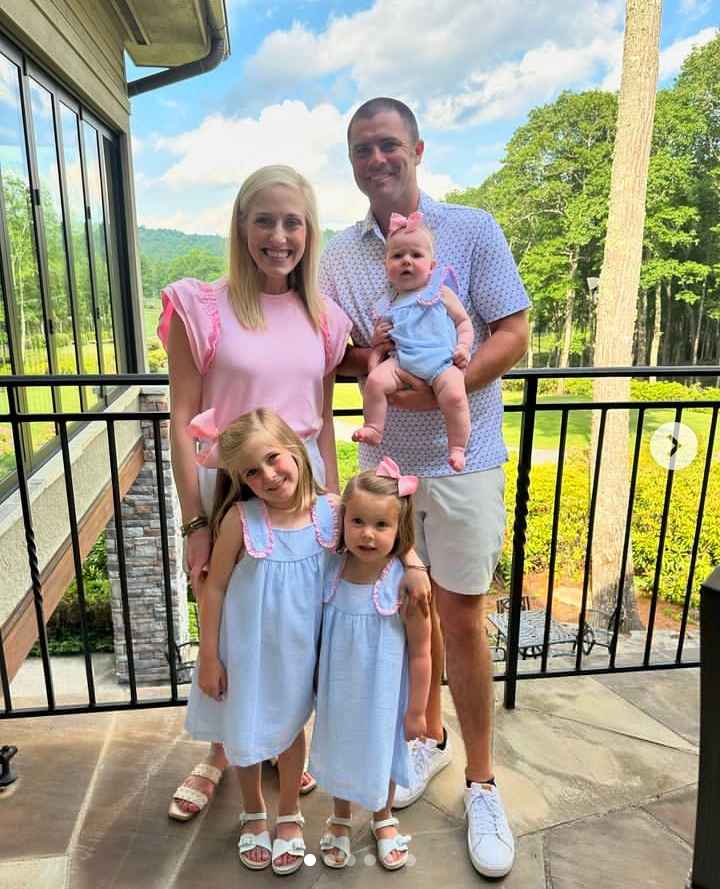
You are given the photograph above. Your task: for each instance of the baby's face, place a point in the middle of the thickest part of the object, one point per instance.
(409, 260)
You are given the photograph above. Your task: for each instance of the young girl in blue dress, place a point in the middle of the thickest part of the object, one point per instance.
(374, 667)
(260, 615)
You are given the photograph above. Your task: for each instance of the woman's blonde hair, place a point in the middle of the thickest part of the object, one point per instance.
(229, 487)
(244, 282)
(381, 486)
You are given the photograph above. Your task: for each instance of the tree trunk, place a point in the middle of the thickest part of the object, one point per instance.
(568, 323)
(696, 337)
(617, 297)
(531, 328)
(667, 339)
(657, 330)
(641, 330)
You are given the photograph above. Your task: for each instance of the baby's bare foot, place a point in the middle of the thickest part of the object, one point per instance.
(368, 435)
(456, 459)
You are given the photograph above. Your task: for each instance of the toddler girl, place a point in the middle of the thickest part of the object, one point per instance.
(374, 667)
(260, 614)
(431, 337)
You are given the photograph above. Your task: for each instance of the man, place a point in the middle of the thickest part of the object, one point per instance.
(460, 517)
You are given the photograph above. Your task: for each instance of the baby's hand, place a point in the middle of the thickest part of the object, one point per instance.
(212, 677)
(415, 726)
(381, 334)
(461, 356)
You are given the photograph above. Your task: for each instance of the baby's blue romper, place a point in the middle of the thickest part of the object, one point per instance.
(268, 636)
(424, 334)
(358, 741)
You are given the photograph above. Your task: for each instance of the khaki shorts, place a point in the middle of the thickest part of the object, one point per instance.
(459, 528)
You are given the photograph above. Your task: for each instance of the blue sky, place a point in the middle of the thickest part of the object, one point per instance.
(470, 70)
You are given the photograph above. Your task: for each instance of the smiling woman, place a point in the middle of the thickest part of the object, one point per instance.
(263, 337)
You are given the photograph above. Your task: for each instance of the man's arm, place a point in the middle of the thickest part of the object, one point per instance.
(355, 363)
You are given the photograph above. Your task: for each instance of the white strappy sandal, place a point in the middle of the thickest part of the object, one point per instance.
(249, 841)
(294, 846)
(191, 795)
(329, 842)
(390, 844)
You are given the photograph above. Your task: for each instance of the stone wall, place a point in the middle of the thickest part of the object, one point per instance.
(143, 561)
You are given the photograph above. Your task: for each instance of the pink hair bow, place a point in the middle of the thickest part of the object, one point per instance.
(204, 428)
(388, 468)
(409, 223)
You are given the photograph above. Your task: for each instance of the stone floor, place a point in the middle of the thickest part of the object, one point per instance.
(598, 773)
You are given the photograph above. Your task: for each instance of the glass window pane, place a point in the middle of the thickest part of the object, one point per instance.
(102, 274)
(25, 281)
(7, 451)
(81, 260)
(63, 335)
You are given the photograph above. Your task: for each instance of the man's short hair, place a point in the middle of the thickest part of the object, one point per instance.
(382, 103)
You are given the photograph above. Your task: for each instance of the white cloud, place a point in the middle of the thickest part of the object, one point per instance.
(671, 58)
(456, 62)
(213, 160)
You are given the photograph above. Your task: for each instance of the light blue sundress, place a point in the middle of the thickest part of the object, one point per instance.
(424, 334)
(358, 741)
(268, 636)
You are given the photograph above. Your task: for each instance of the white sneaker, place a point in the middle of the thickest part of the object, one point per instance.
(426, 760)
(490, 840)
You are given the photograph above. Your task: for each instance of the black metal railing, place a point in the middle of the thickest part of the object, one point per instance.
(706, 860)
(530, 409)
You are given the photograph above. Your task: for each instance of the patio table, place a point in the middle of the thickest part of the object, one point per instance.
(532, 631)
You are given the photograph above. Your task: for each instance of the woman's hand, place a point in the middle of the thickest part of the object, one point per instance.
(415, 725)
(197, 554)
(415, 590)
(212, 677)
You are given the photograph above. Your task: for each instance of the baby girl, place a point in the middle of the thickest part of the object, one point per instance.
(431, 336)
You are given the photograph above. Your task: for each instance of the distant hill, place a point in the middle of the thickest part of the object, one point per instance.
(165, 244)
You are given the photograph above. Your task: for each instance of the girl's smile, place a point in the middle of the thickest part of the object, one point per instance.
(270, 471)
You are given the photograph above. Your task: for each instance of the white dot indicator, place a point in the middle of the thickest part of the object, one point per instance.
(310, 860)
(369, 859)
(673, 445)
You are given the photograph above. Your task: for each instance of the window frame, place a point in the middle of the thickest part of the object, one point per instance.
(109, 141)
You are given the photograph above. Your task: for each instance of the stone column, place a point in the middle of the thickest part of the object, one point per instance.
(143, 560)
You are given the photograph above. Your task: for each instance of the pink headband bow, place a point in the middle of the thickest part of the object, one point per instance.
(204, 428)
(388, 468)
(409, 223)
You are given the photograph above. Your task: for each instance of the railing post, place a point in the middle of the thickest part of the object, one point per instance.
(706, 860)
(522, 497)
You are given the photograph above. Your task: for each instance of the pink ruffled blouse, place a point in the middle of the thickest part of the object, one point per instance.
(280, 366)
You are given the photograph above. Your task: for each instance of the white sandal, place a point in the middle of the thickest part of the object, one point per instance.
(249, 841)
(294, 846)
(330, 841)
(191, 795)
(386, 845)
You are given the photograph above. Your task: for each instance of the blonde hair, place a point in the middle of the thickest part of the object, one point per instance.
(229, 487)
(381, 486)
(244, 282)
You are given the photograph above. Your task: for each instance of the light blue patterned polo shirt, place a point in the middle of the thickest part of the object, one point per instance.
(352, 272)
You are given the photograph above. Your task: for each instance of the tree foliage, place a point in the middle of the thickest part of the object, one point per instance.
(550, 195)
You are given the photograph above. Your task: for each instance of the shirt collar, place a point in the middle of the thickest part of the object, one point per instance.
(426, 205)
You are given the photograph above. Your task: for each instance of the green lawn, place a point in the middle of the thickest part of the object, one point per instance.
(547, 423)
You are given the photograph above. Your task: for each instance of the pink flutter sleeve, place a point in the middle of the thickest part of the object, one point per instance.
(196, 305)
(336, 327)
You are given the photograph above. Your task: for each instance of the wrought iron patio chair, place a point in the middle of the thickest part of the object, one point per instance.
(502, 605)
